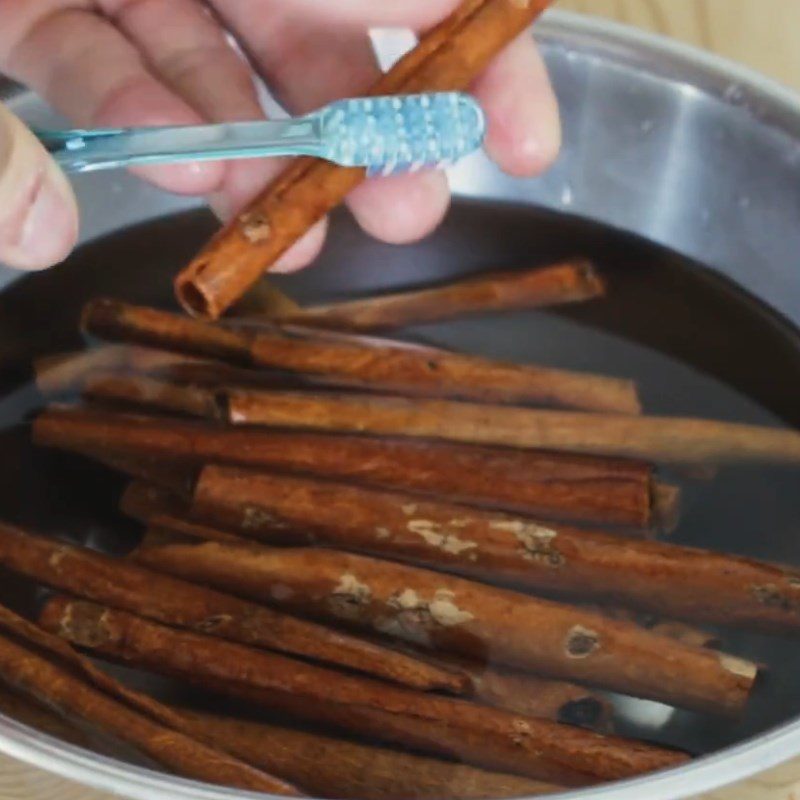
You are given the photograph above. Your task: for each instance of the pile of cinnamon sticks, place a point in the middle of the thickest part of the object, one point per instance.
(378, 542)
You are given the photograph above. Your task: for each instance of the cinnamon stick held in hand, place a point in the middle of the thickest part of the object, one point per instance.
(590, 489)
(448, 57)
(174, 602)
(570, 281)
(487, 737)
(391, 368)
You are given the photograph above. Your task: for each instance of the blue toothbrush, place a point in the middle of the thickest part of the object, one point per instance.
(386, 135)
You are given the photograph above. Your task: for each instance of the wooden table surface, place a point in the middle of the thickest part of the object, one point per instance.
(764, 34)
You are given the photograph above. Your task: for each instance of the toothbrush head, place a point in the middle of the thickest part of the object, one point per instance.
(390, 135)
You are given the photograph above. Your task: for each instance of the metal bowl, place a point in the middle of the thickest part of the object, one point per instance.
(663, 142)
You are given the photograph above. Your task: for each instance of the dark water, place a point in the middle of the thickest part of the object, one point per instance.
(694, 342)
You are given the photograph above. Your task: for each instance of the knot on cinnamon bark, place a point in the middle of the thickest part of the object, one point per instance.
(255, 226)
(537, 542)
(772, 596)
(350, 598)
(415, 618)
(437, 534)
(581, 642)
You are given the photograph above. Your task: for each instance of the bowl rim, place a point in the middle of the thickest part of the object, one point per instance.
(773, 105)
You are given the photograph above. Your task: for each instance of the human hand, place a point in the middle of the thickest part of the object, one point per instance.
(168, 62)
(38, 212)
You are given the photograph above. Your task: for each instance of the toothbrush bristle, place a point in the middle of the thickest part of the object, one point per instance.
(388, 135)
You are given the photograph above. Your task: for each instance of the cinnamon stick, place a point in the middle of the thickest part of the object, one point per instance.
(65, 372)
(337, 768)
(487, 737)
(26, 710)
(489, 684)
(682, 582)
(176, 478)
(450, 56)
(673, 629)
(493, 686)
(122, 584)
(570, 281)
(389, 368)
(44, 668)
(591, 489)
(467, 618)
(653, 439)
(153, 393)
(163, 511)
(511, 690)
(68, 372)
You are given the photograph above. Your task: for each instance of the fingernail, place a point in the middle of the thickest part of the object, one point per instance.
(48, 228)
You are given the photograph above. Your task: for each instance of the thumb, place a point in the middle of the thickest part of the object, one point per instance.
(38, 212)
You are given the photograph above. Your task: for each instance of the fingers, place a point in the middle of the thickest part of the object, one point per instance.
(524, 133)
(89, 71)
(309, 64)
(187, 50)
(38, 212)
(403, 208)
(305, 62)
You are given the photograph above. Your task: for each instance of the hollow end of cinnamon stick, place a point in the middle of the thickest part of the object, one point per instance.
(195, 299)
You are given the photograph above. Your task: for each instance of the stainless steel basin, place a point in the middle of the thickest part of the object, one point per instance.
(661, 141)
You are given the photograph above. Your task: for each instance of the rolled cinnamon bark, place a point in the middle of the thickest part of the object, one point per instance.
(469, 619)
(65, 372)
(570, 281)
(672, 629)
(652, 439)
(47, 670)
(477, 734)
(449, 56)
(68, 372)
(28, 711)
(337, 768)
(172, 477)
(153, 393)
(682, 582)
(122, 584)
(146, 502)
(512, 690)
(564, 702)
(162, 511)
(389, 368)
(518, 692)
(522, 693)
(554, 485)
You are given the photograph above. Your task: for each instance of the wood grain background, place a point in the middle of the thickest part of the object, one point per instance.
(764, 34)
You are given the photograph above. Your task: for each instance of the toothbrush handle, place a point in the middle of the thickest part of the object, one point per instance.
(87, 151)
